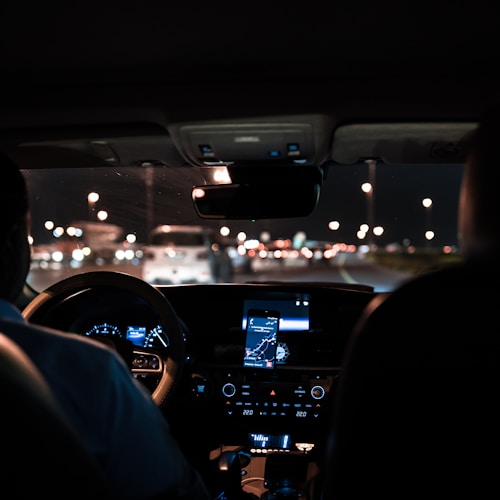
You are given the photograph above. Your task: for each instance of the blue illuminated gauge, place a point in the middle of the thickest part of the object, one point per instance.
(282, 352)
(156, 338)
(104, 330)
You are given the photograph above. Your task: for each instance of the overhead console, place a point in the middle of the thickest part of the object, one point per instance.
(289, 140)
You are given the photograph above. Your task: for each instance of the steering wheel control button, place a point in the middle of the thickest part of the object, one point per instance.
(143, 361)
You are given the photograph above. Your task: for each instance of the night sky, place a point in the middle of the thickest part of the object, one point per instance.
(397, 206)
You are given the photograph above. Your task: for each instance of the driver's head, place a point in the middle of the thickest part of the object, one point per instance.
(479, 212)
(15, 250)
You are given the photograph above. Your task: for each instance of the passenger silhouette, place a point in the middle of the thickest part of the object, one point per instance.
(415, 412)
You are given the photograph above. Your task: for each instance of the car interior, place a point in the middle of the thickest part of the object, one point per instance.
(236, 115)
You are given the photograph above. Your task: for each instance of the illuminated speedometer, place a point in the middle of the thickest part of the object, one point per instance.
(104, 330)
(156, 338)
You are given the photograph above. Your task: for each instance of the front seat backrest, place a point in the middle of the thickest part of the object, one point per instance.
(416, 413)
(42, 454)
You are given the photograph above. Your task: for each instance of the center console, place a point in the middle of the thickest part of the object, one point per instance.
(269, 388)
(262, 395)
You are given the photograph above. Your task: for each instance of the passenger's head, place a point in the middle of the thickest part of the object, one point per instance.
(15, 250)
(479, 207)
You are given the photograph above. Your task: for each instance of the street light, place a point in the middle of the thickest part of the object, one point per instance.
(427, 204)
(429, 233)
(92, 198)
(334, 225)
(368, 188)
(102, 215)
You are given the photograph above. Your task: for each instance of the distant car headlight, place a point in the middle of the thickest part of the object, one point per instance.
(77, 255)
(57, 256)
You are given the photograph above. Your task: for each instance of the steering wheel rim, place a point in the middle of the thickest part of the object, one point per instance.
(171, 363)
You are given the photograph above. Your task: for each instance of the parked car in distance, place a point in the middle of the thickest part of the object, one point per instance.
(183, 254)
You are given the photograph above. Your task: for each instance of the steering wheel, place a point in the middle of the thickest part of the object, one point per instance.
(162, 366)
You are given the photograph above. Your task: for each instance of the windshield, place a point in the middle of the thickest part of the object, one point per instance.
(370, 227)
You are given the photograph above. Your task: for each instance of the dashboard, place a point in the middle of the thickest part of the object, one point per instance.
(280, 407)
(259, 360)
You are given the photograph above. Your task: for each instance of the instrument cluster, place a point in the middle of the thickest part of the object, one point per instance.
(139, 335)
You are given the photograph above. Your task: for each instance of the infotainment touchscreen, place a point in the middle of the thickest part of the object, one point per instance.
(294, 311)
(261, 338)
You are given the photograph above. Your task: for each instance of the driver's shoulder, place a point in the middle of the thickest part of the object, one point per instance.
(63, 357)
(39, 338)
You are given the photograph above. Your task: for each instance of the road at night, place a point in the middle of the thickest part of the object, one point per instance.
(345, 268)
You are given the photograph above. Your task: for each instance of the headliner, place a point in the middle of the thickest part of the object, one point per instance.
(197, 59)
(98, 41)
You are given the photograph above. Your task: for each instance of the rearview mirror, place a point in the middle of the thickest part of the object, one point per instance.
(253, 201)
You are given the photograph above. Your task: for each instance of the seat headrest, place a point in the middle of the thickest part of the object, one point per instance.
(478, 221)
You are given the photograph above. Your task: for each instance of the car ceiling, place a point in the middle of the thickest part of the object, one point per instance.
(132, 66)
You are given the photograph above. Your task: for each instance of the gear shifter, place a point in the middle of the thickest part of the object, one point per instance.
(229, 468)
(285, 475)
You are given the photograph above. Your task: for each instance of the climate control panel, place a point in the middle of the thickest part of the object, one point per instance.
(291, 396)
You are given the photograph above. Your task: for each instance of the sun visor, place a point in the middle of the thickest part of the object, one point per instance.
(401, 143)
(119, 145)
